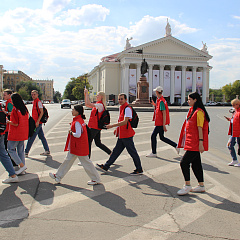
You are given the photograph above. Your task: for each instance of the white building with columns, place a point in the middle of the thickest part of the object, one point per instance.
(175, 65)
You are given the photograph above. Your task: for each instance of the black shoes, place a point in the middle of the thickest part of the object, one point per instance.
(102, 167)
(136, 172)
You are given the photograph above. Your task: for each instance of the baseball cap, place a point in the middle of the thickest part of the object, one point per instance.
(159, 89)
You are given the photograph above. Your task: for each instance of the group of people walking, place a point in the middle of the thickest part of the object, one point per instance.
(12, 153)
(193, 137)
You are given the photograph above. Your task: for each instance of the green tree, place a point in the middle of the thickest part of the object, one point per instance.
(218, 94)
(75, 87)
(57, 96)
(24, 93)
(29, 86)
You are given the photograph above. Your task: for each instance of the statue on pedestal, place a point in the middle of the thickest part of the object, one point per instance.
(143, 88)
(144, 67)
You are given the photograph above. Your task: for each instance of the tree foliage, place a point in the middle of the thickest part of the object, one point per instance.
(28, 86)
(75, 87)
(57, 96)
(218, 94)
(231, 90)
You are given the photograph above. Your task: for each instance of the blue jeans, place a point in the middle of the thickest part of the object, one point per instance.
(159, 130)
(129, 145)
(16, 151)
(5, 159)
(39, 132)
(232, 141)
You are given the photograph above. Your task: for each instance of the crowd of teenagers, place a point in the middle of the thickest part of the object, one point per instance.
(193, 136)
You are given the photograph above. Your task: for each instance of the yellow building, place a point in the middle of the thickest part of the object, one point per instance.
(11, 78)
(46, 87)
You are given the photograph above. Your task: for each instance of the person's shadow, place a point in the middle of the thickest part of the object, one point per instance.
(107, 199)
(12, 209)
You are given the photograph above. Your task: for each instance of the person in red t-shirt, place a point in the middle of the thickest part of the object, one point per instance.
(194, 139)
(96, 113)
(77, 147)
(37, 113)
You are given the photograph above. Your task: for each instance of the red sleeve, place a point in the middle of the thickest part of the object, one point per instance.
(14, 116)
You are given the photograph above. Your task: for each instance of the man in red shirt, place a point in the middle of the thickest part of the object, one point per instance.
(37, 113)
(125, 134)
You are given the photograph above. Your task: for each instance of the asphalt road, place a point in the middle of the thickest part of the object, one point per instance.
(123, 206)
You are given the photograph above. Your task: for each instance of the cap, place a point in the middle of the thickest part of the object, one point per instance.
(159, 89)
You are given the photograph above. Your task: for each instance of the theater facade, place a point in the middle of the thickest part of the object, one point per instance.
(173, 64)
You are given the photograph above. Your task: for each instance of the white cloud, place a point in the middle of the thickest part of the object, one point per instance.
(55, 6)
(86, 15)
(236, 17)
(225, 61)
(150, 28)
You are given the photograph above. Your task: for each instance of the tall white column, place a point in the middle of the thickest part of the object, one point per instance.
(98, 80)
(172, 83)
(183, 93)
(126, 79)
(138, 71)
(150, 79)
(161, 75)
(194, 82)
(122, 79)
(204, 90)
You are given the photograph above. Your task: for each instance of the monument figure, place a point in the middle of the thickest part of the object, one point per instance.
(168, 29)
(128, 44)
(144, 67)
(204, 48)
(142, 88)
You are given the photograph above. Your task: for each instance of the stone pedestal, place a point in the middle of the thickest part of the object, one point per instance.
(142, 93)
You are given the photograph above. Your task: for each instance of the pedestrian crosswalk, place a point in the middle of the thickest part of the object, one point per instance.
(146, 206)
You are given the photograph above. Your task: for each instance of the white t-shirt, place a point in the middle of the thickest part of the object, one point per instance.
(79, 130)
(99, 107)
(128, 112)
(40, 105)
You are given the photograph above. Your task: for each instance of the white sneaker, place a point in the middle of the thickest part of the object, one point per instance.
(22, 173)
(233, 163)
(199, 189)
(46, 153)
(185, 190)
(54, 176)
(11, 180)
(26, 155)
(79, 164)
(21, 169)
(92, 182)
(177, 150)
(152, 155)
(237, 165)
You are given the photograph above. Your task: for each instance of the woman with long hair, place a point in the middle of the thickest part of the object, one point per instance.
(77, 147)
(194, 139)
(18, 132)
(96, 113)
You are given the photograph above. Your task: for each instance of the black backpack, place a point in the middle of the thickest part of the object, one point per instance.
(45, 115)
(104, 119)
(3, 123)
(135, 119)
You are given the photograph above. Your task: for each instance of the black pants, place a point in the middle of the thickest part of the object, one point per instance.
(96, 135)
(194, 158)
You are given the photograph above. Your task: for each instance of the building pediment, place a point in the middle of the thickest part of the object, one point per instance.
(169, 46)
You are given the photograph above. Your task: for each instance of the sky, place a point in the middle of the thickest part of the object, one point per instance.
(60, 39)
